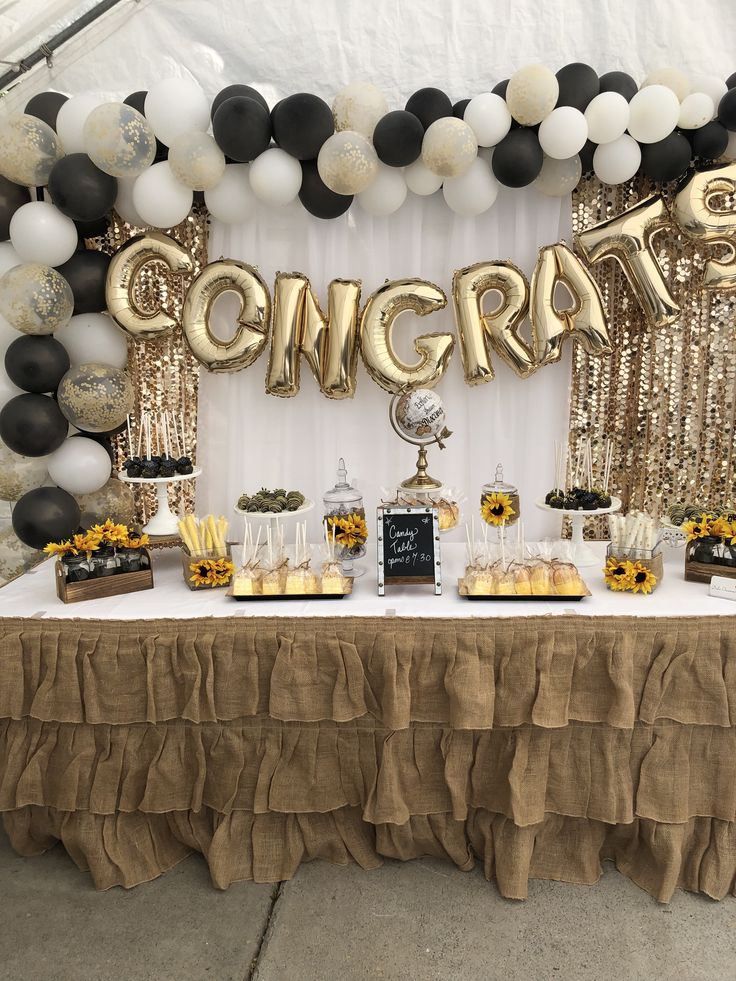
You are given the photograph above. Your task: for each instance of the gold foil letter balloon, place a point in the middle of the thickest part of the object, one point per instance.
(329, 344)
(499, 329)
(251, 335)
(702, 211)
(376, 324)
(122, 276)
(627, 239)
(585, 320)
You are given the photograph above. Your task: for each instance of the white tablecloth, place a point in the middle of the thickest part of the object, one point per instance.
(34, 594)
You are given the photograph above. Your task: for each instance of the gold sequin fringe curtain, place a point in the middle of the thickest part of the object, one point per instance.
(667, 396)
(164, 372)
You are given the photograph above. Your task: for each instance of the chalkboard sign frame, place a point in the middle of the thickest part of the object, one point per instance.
(383, 580)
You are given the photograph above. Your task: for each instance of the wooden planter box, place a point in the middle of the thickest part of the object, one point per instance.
(696, 571)
(117, 585)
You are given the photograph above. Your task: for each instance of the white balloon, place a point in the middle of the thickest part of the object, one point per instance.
(94, 337)
(124, 202)
(275, 177)
(473, 192)
(347, 162)
(8, 257)
(449, 147)
(420, 179)
(696, 110)
(196, 160)
(159, 198)
(175, 106)
(532, 94)
(559, 177)
(387, 192)
(40, 233)
(607, 117)
(713, 86)
(231, 200)
(617, 161)
(653, 113)
(80, 465)
(71, 119)
(563, 133)
(489, 118)
(671, 78)
(358, 107)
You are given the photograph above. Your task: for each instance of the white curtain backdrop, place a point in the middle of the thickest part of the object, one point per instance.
(249, 439)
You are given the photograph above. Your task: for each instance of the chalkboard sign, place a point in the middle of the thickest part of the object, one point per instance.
(408, 547)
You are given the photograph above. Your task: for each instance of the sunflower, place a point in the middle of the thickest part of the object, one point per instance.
(60, 548)
(702, 528)
(642, 579)
(88, 542)
(110, 533)
(725, 529)
(495, 508)
(211, 572)
(617, 575)
(351, 530)
(136, 541)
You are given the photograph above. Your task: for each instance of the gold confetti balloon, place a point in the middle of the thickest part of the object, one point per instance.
(114, 500)
(29, 148)
(347, 162)
(119, 140)
(95, 397)
(449, 147)
(19, 474)
(15, 557)
(35, 299)
(196, 160)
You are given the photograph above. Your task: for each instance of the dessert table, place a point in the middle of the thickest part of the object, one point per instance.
(539, 738)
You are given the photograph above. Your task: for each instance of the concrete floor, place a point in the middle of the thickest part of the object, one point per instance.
(423, 921)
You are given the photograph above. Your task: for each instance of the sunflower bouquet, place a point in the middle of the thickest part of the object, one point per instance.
(102, 550)
(348, 531)
(627, 576)
(711, 538)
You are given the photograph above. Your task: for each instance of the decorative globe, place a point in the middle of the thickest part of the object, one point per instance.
(420, 414)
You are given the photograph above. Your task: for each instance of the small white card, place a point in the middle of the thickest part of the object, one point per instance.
(723, 588)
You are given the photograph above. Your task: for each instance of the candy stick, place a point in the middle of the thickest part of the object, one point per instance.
(148, 435)
(503, 550)
(467, 544)
(183, 444)
(130, 441)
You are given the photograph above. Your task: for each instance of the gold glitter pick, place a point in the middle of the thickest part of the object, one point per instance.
(162, 370)
(667, 396)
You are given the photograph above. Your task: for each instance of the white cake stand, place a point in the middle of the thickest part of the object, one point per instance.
(582, 554)
(164, 521)
(274, 519)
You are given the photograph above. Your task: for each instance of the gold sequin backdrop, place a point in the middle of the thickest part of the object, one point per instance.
(164, 372)
(667, 396)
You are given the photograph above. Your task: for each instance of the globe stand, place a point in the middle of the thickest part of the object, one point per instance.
(420, 480)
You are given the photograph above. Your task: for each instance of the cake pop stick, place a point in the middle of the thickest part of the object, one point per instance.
(130, 441)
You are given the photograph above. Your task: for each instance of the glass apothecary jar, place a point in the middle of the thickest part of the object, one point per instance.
(344, 520)
(499, 501)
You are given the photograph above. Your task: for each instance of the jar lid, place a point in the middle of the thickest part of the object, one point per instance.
(342, 494)
(498, 483)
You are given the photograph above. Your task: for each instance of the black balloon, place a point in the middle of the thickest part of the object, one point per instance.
(710, 141)
(500, 88)
(586, 156)
(242, 128)
(235, 91)
(32, 425)
(81, 190)
(731, 81)
(579, 85)
(667, 159)
(46, 514)
(397, 138)
(86, 273)
(92, 229)
(518, 158)
(46, 106)
(458, 110)
(36, 364)
(429, 105)
(619, 82)
(727, 110)
(317, 197)
(12, 197)
(301, 124)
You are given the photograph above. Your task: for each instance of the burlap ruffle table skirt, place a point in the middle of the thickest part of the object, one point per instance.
(538, 746)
